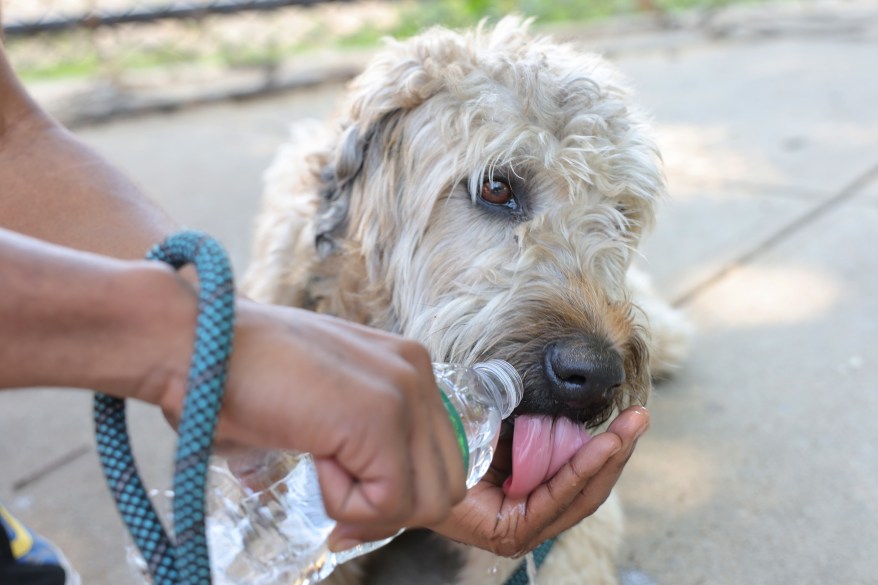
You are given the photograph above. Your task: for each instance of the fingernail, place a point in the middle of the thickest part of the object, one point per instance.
(640, 410)
(644, 426)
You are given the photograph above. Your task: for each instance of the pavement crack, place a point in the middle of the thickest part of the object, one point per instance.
(53, 465)
(784, 233)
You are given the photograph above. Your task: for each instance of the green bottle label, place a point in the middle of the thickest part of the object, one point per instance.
(457, 425)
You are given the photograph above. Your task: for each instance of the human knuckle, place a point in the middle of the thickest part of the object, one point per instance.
(589, 502)
(508, 539)
(623, 461)
(411, 347)
(397, 509)
(391, 405)
(408, 378)
(414, 353)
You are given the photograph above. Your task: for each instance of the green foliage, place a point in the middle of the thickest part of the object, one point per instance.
(418, 14)
(77, 66)
(459, 13)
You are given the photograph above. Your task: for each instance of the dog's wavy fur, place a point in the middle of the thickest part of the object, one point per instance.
(378, 220)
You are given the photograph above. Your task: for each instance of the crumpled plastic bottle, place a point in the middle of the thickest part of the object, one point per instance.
(266, 522)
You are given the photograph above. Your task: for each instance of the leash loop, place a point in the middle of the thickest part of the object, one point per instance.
(183, 560)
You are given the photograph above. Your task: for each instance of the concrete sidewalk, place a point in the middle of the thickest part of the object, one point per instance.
(761, 466)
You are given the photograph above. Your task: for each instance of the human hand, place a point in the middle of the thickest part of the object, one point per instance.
(509, 527)
(363, 402)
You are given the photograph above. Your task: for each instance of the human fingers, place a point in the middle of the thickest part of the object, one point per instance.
(437, 459)
(594, 484)
(631, 423)
(596, 466)
(437, 474)
(446, 441)
(508, 527)
(347, 536)
(366, 476)
(436, 462)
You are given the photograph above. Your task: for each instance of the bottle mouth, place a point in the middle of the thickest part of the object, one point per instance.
(507, 383)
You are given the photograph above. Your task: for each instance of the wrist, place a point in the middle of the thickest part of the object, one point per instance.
(160, 334)
(73, 319)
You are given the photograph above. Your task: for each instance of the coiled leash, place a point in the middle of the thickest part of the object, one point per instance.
(183, 560)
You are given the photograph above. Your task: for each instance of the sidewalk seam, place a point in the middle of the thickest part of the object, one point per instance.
(784, 233)
(50, 467)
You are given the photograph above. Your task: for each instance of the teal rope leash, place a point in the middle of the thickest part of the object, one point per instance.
(185, 560)
(114, 451)
(519, 577)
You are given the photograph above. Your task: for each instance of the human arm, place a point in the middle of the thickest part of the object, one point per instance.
(88, 321)
(74, 319)
(59, 190)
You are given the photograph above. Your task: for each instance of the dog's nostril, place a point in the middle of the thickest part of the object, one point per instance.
(583, 370)
(574, 379)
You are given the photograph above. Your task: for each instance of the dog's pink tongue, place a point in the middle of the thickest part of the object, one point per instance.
(541, 445)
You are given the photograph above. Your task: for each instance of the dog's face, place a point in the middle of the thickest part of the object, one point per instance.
(484, 194)
(488, 193)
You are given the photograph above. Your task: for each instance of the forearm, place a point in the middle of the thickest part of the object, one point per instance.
(57, 189)
(81, 320)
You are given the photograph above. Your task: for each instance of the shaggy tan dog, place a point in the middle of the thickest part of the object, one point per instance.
(483, 193)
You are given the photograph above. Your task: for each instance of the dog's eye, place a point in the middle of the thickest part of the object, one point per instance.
(496, 192)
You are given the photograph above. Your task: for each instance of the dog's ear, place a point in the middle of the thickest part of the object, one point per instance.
(397, 81)
(337, 177)
(340, 170)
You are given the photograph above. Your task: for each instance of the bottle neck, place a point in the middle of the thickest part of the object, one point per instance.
(504, 384)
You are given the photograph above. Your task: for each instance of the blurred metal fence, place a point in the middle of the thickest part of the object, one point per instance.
(138, 13)
(103, 58)
(122, 54)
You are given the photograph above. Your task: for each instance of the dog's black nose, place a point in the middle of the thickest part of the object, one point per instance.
(583, 370)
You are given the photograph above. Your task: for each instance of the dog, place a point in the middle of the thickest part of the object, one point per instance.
(483, 192)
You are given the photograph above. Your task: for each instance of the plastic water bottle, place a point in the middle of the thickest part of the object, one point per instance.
(266, 522)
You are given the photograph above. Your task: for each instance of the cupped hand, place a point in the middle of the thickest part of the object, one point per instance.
(508, 527)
